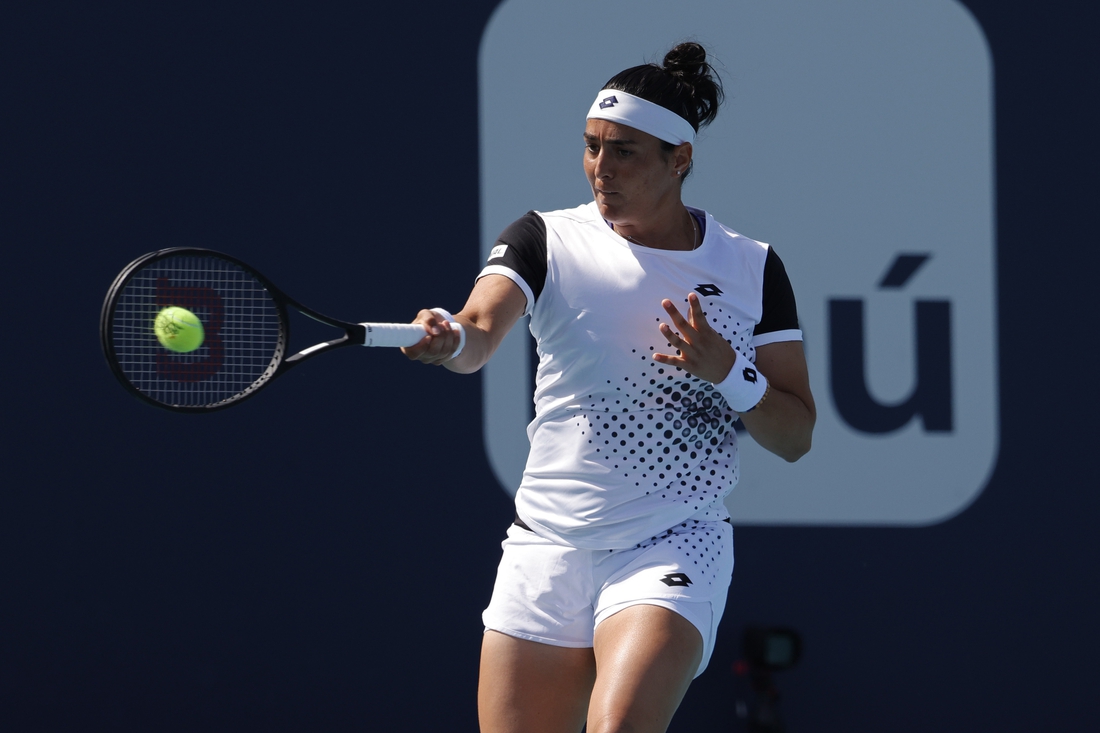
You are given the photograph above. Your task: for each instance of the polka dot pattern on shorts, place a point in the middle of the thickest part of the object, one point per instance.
(701, 544)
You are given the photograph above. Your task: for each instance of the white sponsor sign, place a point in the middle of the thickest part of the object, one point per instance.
(856, 139)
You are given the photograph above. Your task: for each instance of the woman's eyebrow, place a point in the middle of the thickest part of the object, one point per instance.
(615, 141)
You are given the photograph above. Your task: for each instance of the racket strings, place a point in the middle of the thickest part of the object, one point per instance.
(244, 333)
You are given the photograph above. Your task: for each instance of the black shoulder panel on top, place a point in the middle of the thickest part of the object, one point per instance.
(779, 312)
(525, 250)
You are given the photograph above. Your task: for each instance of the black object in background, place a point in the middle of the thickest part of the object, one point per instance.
(767, 650)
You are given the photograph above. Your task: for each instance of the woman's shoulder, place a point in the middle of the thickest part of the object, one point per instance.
(581, 214)
(730, 238)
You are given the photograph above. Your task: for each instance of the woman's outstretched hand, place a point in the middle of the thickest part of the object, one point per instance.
(702, 350)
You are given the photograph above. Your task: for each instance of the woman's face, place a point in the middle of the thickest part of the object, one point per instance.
(633, 180)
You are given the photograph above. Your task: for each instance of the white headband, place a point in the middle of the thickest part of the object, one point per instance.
(641, 114)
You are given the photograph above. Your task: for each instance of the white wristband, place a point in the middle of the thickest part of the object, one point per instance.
(442, 313)
(743, 387)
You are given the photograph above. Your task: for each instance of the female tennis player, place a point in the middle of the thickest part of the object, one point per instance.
(657, 327)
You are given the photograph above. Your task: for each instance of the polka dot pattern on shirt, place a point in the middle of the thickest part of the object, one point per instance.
(668, 431)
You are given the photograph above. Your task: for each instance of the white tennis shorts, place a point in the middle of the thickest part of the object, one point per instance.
(558, 595)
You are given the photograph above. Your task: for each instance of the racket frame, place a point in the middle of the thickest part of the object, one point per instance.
(354, 333)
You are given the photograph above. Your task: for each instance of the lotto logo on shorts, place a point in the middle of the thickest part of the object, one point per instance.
(673, 579)
(899, 316)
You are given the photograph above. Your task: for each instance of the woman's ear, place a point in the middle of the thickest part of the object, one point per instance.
(681, 157)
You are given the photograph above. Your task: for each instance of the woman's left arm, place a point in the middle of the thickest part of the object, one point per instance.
(783, 422)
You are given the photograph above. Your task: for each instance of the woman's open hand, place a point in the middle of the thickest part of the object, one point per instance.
(702, 350)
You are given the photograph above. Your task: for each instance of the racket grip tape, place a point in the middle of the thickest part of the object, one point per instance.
(401, 334)
(392, 334)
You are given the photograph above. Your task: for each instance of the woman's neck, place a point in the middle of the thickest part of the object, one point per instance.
(677, 231)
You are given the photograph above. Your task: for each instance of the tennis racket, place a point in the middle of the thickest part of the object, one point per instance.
(245, 327)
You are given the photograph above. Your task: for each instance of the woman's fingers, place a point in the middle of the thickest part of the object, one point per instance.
(694, 325)
(695, 312)
(699, 349)
(678, 320)
(674, 339)
(439, 342)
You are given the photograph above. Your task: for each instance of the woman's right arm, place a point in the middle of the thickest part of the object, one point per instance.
(494, 306)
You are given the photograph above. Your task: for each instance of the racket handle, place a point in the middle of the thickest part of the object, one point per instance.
(399, 334)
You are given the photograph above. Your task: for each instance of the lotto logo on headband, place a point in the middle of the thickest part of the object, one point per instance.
(641, 114)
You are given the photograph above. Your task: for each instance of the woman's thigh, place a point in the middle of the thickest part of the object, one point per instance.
(529, 687)
(646, 657)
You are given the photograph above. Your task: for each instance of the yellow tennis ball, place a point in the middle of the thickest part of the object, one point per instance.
(178, 329)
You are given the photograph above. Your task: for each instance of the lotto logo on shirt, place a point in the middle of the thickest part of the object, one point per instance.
(877, 194)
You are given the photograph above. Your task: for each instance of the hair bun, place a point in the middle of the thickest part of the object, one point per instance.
(686, 84)
(687, 60)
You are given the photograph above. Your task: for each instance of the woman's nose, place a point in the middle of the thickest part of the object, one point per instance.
(603, 168)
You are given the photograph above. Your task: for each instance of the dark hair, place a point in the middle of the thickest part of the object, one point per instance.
(686, 84)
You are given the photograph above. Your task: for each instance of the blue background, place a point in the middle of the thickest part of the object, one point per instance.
(319, 557)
